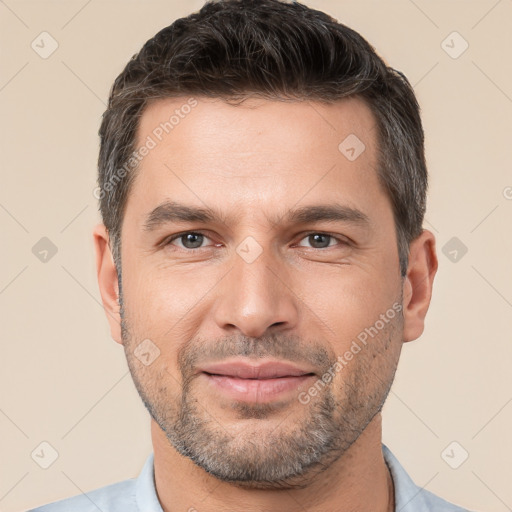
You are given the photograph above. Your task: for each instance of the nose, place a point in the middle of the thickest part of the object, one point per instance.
(256, 297)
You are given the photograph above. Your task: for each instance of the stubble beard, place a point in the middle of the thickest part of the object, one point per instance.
(266, 454)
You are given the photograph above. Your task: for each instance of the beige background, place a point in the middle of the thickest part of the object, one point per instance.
(64, 381)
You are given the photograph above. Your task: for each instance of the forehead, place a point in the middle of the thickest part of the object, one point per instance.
(267, 127)
(258, 156)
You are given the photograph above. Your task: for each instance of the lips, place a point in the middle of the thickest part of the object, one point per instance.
(249, 382)
(265, 370)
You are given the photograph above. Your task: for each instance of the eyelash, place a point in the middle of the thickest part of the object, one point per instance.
(306, 235)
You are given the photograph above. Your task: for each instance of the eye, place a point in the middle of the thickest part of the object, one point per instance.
(322, 240)
(189, 240)
(193, 240)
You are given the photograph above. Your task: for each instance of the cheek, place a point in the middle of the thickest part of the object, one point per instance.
(164, 301)
(347, 300)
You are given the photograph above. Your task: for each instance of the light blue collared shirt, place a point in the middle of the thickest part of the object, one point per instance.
(139, 494)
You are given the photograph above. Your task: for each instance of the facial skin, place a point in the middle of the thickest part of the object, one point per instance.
(282, 295)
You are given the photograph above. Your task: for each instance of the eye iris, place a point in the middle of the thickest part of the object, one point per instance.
(196, 240)
(317, 238)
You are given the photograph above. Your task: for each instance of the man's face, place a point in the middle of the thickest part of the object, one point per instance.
(252, 316)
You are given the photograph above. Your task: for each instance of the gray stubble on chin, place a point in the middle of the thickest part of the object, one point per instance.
(261, 455)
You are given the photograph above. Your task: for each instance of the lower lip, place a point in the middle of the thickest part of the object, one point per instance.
(256, 390)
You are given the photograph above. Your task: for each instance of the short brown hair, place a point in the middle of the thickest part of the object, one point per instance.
(232, 49)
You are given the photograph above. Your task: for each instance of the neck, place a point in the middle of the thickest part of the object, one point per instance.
(359, 480)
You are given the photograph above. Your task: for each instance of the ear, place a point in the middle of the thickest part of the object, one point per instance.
(417, 286)
(107, 280)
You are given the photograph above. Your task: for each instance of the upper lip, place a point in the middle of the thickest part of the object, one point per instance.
(250, 370)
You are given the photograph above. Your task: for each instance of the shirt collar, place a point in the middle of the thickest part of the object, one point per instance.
(145, 490)
(408, 496)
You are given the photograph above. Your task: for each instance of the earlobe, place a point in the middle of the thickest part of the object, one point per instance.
(107, 280)
(418, 283)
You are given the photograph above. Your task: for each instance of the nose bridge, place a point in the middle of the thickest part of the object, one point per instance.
(253, 297)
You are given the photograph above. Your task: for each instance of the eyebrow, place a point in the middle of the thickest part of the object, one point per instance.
(172, 211)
